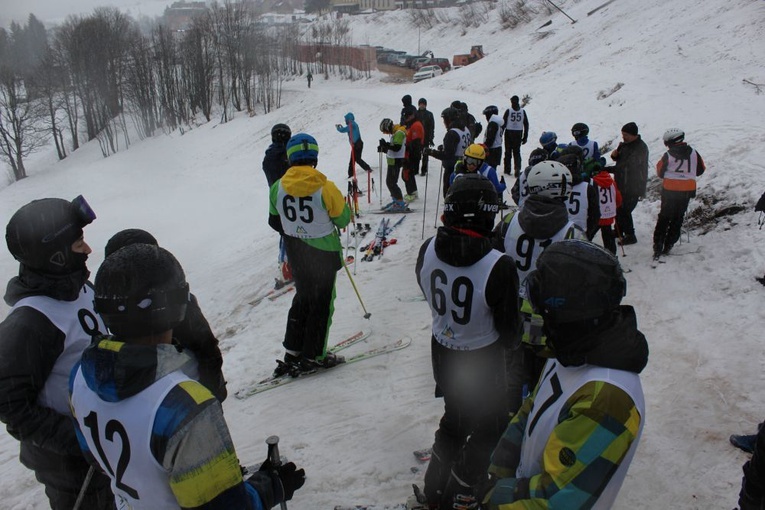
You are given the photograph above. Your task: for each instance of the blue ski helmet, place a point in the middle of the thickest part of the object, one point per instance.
(547, 138)
(302, 148)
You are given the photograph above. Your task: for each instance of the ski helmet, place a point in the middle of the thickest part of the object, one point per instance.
(548, 138)
(490, 110)
(574, 166)
(386, 126)
(549, 179)
(141, 290)
(280, 133)
(471, 202)
(126, 238)
(575, 280)
(450, 114)
(302, 148)
(40, 234)
(673, 136)
(537, 156)
(475, 151)
(579, 130)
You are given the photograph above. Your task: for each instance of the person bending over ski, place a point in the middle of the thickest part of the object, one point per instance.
(158, 434)
(573, 440)
(307, 208)
(472, 290)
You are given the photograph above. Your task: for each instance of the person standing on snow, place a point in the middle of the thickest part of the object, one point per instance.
(309, 77)
(425, 117)
(593, 161)
(275, 163)
(516, 128)
(610, 201)
(678, 168)
(456, 140)
(520, 189)
(50, 323)
(574, 438)
(193, 333)
(395, 149)
(549, 142)
(526, 233)
(493, 136)
(631, 175)
(406, 103)
(583, 201)
(357, 147)
(473, 162)
(159, 434)
(306, 209)
(472, 291)
(415, 140)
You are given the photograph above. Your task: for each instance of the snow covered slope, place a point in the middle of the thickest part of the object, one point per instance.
(660, 64)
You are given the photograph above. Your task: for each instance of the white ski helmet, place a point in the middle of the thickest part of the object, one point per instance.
(550, 179)
(673, 136)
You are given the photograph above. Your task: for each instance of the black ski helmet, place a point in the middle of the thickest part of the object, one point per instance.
(386, 126)
(579, 130)
(126, 238)
(472, 202)
(280, 133)
(141, 290)
(575, 280)
(537, 156)
(40, 234)
(490, 110)
(572, 156)
(450, 114)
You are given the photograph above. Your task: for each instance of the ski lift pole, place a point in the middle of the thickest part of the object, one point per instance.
(564, 13)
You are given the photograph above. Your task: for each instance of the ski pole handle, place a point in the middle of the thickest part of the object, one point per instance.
(274, 458)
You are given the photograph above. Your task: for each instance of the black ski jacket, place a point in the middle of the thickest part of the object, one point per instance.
(426, 118)
(631, 170)
(461, 249)
(275, 162)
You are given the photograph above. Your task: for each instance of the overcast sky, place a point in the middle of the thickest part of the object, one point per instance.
(54, 11)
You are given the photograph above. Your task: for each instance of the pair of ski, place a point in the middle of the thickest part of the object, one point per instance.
(280, 289)
(377, 247)
(274, 382)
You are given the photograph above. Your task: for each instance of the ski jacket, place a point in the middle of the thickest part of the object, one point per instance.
(631, 170)
(493, 135)
(523, 235)
(679, 167)
(583, 207)
(275, 162)
(308, 197)
(456, 140)
(458, 249)
(354, 135)
(179, 450)
(396, 145)
(50, 323)
(425, 116)
(609, 197)
(583, 440)
(520, 189)
(752, 494)
(486, 170)
(516, 120)
(415, 140)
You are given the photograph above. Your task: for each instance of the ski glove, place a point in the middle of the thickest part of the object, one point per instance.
(384, 146)
(284, 480)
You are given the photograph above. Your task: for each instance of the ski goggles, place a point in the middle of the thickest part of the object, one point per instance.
(83, 211)
(473, 161)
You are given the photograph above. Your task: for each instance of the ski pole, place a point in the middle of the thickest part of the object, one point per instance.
(274, 458)
(353, 283)
(380, 154)
(621, 239)
(424, 205)
(438, 195)
(84, 488)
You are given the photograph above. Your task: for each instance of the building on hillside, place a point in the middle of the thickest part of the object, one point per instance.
(179, 15)
(379, 5)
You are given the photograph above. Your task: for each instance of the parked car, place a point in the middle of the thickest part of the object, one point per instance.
(419, 62)
(427, 72)
(443, 63)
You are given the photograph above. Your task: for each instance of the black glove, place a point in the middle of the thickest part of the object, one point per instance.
(440, 148)
(284, 481)
(384, 146)
(523, 142)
